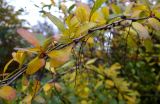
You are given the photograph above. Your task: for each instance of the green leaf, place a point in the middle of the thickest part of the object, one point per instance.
(56, 21)
(113, 101)
(141, 30)
(96, 5)
(154, 23)
(71, 7)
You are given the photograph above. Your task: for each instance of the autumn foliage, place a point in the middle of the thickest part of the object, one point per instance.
(105, 54)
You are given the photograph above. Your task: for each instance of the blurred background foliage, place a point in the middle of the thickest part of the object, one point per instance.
(8, 37)
(113, 69)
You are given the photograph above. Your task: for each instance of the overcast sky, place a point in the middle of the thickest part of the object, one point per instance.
(32, 12)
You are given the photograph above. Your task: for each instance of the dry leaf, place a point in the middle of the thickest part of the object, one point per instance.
(28, 36)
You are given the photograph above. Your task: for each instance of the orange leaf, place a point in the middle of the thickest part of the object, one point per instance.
(7, 93)
(28, 36)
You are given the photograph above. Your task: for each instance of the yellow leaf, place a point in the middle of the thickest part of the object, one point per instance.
(7, 93)
(27, 99)
(109, 83)
(84, 102)
(59, 57)
(47, 87)
(85, 92)
(28, 36)
(137, 9)
(32, 50)
(115, 66)
(91, 61)
(82, 14)
(121, 84)
(131, 100)
(72, 21)
(35, 65)
(105, 11)
(98, 18)
(19, 56)
(90, 41)
(116, 9)
(154, 23)
(6, 66)
(113, 70)
(136, 13)
(85, 27)
(48, 67)
(96, 5)
(140, 7)
(141, 30)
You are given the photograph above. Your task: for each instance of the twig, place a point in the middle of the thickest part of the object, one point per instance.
(76, 40)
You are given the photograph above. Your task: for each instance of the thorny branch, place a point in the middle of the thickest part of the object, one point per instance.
(12, 78)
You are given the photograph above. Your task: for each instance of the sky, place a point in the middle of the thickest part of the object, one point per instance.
(32, 14)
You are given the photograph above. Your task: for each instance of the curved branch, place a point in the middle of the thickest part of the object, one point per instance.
(61, 46)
